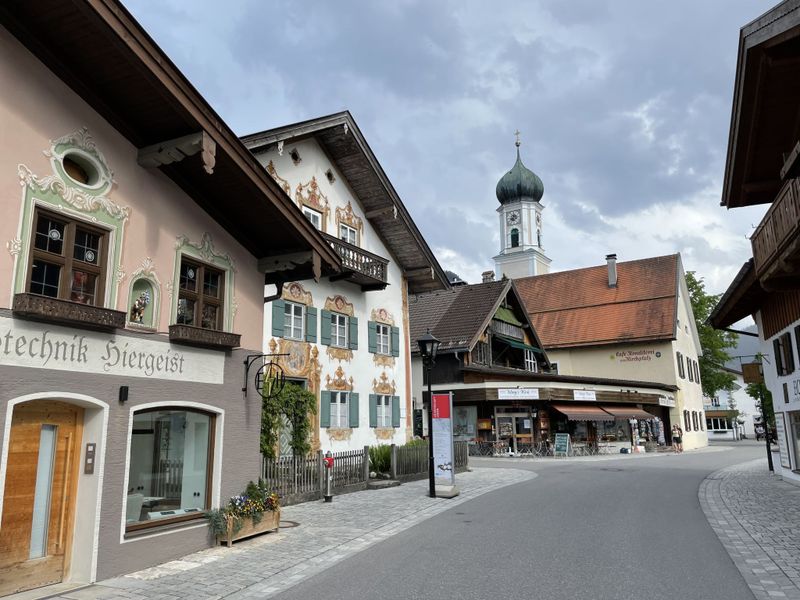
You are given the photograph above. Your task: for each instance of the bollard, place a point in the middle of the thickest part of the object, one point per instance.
(329, 470)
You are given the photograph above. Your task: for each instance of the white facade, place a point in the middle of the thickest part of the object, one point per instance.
(521, 238)
(743, 427)
(364, 397)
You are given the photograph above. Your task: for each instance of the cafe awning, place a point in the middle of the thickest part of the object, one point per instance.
(625, 412)
(583, 413)
(517, 344)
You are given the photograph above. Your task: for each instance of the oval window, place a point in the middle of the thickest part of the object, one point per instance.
(80, 169)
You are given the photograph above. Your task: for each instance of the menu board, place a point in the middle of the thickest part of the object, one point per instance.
(562, 444)
(780, 428)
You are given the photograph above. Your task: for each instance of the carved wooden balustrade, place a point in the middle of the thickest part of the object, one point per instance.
(361, 267)
(775, 240)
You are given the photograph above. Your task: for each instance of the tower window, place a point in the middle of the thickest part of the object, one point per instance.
(514, 237)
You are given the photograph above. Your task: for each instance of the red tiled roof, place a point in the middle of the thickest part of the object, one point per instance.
(577, 308)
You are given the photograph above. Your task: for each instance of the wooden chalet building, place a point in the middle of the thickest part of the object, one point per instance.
(505, 393)
(763, 168)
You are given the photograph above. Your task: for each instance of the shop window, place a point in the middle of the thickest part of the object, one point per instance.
(68, 259)
(200, 295)
(709, 423)
(169, 476)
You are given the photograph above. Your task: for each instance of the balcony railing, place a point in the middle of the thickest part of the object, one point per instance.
(361, 267)
(773, 238)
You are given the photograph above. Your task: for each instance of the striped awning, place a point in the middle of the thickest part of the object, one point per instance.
(579, 412)
(625, 412)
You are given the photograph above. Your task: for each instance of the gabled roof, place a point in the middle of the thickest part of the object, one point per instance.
(343, 142)
(577, 308)
(100, 51)
(457, 317)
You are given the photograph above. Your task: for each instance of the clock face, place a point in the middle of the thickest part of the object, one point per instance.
(512, 218)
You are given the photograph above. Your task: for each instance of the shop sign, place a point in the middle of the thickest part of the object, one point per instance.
(584, 395)
(780, 429)
(666, 401)
(484, 424)
(40, 346)
(443, 464)
(518, 394)
(636, 355)
(561, 446)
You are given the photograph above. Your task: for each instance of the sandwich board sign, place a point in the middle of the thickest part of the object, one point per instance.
(562, 445)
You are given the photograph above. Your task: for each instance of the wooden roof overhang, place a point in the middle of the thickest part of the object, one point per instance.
(99, 50)
(341, 139)
(742, 299)
(765, 121)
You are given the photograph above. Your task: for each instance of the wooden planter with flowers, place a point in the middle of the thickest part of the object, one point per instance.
(253, 512)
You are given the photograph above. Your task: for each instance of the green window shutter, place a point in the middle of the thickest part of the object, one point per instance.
(325, 328)
(353, 334)
(395, 411)
(395, 341)
(373, 410)
(278, 318)
(325, 409)
(311, 324)
(353, 409)
(372, 337)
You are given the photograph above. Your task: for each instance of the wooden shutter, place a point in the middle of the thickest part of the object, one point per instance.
(778, 353)
(373, 410)
(325, 327)
(788, 352)
(395, 341)
(353, 333)
(690, 367)
(395, 411)
(325, 409)
(353, 409)
(311, 324)
(372, 337)
(278, 307)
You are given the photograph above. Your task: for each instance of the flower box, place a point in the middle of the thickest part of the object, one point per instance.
(269, 522)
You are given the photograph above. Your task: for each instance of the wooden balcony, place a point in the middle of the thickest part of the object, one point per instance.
(776, 240)
(359, 266)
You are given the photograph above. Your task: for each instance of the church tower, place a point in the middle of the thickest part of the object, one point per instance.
(521, 252)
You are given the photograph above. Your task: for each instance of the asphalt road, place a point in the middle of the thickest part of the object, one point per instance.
(616, 530)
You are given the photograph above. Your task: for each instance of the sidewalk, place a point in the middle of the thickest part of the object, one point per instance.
(325, 535)
(757, 518)
(595, 458)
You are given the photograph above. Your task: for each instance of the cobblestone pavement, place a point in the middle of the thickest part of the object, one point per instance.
(327, 533)
(757, 518)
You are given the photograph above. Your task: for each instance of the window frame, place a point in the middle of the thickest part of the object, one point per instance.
(681, 370)
(530, 361)
(347, 229)
(200, 298)
(313, 216)
(388, 335)
(383, 410)
(66, 261)
(513, 238)
(287, 334)
(335, 333)
(342, 410)
(212, 440)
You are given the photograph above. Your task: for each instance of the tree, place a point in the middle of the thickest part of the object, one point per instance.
(293, 408)
(714, 342)
(760, 393)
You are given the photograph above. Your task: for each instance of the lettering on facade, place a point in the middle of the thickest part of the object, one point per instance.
(636, 355)
(27, 344)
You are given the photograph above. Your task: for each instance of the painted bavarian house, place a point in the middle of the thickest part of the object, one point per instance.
(346, 337)
(138, 236)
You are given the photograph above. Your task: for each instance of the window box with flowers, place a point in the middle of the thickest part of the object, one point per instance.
(256, 510)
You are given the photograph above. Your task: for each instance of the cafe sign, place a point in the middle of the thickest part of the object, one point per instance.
(518, 394)
(584, 395)
(41, 346)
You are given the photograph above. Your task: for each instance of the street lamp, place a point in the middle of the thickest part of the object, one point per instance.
(428, 346)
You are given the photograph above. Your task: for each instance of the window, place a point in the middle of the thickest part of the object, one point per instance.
(384, 405)
(481, 353)
(554, 368)
(314, 216)
(348, 234)
(67, 260)
(340, 413)
(383, 339)
(681, 372)
(717, 423)
(514, 237)
(686, 424)
(200, 295)
(694, 421)
(696, 372)
(339, 330)
(715, 401)
(293, 321)
(784, 355)
(690, 368)
(530, 361)
(170, 466)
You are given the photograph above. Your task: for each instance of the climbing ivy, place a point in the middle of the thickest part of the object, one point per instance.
(296, 404)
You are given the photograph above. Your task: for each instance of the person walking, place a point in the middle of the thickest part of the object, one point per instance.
(677, 439)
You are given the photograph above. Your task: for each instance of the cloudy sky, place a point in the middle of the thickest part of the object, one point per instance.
(624, 108)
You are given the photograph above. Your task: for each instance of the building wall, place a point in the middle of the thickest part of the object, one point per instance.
(370, 373)
(740, 400)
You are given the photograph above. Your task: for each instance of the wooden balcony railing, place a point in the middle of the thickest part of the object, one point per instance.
(778, 229)
(364, 268)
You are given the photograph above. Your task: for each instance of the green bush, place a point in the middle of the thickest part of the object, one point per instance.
(415, 444)
(380, 458)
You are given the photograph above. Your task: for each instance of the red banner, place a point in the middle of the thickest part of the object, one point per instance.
(441, 406)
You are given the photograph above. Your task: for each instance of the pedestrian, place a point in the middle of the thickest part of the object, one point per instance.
(677, 439)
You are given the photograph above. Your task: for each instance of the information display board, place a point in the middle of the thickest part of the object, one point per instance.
(780, 429)
(561, 447)
(443, 463)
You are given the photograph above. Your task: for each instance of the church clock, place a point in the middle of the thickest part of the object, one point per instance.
(512, 218)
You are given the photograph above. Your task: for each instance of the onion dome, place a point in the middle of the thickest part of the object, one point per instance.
(520, 183)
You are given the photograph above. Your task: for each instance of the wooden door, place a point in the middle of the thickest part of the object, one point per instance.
(39, 496)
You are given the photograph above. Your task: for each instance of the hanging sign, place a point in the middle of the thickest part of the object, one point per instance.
(561, 446)
(518, 394)
(443, 463)
(584, 395)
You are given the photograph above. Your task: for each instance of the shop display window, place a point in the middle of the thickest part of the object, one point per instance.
(170, 466)
(614, 431)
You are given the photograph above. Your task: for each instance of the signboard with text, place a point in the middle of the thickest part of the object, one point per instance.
(518, 394)
(561, 446)
(584, 395)
(443, 459)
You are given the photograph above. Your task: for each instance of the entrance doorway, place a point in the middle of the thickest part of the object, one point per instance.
(39, 494)
(515, 428)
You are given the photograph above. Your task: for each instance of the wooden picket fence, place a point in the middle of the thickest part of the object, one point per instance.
(411, 462)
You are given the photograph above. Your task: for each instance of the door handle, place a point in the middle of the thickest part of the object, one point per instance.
(64, 490)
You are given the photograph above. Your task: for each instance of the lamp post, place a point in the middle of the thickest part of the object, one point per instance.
(428, 346)
(766, 427)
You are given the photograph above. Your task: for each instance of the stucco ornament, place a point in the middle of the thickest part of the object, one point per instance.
(205, 249)
(339, 304)
(347, 217)
(339, 381)
(384, 433)
(309, 194)
(14, 246)
(383, 386)
(295, 292)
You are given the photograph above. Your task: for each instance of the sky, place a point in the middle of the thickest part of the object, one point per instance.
(623, 106)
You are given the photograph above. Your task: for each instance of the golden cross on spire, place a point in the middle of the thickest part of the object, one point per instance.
(517, 143)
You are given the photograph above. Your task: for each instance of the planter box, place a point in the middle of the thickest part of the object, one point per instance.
(269, 522)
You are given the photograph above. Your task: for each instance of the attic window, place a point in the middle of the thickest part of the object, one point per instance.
(295, 156)
(331, 177)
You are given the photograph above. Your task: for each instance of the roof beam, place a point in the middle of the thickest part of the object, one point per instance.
(378, 212)
(175, 150)
(421, 272)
